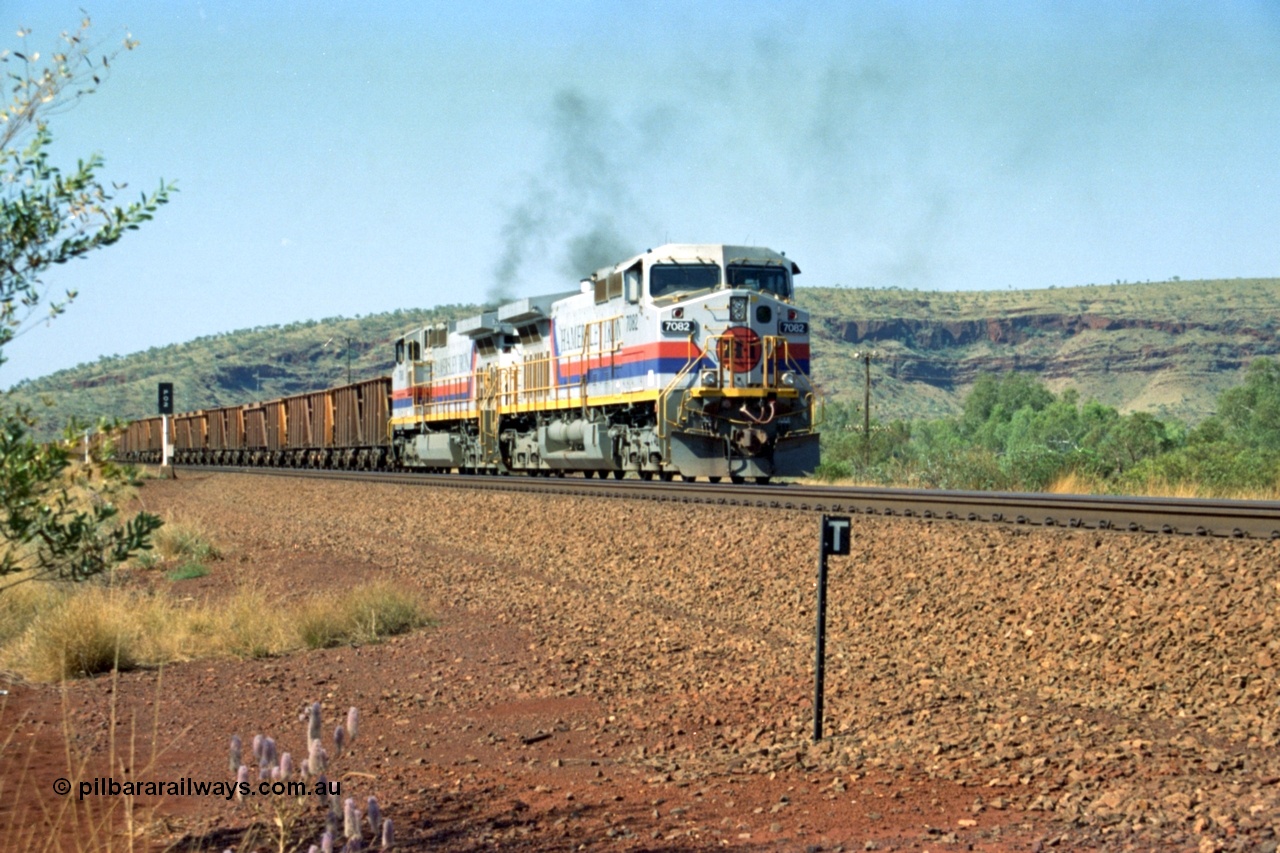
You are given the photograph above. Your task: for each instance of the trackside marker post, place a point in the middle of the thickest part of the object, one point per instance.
(835, 535)
(165, 404)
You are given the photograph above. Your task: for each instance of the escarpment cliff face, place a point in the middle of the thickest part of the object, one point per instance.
(930, 334)
(1169, 349)
(934, 340)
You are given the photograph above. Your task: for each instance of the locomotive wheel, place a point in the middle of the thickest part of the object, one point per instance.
(646, 475)
(619, 474)
(736, 479)
(762, 481)
(666, 476)
(713, 479)
(588, 474)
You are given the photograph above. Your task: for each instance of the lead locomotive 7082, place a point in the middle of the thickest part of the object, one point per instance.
(689, 360)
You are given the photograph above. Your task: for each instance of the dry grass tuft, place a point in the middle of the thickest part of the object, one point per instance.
(364, 615)
(82, 634)
(53, 632)
(1075, 483)
(21, 601)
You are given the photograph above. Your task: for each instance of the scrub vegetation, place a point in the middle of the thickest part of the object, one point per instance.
(1016, 434)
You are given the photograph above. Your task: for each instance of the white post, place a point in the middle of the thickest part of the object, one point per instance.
(86, 447)
(165, 450)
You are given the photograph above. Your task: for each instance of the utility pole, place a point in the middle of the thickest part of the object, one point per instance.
(866, 407)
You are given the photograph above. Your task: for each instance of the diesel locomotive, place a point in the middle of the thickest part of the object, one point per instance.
(688, 360)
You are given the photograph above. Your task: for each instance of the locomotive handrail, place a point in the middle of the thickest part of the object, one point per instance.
(662, 420)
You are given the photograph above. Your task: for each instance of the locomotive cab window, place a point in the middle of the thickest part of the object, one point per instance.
(767, 279)
(400, 351)
(415, 351)
(674, 279)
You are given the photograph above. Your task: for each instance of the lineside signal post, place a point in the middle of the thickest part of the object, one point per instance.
(165, 404)
(835, 534)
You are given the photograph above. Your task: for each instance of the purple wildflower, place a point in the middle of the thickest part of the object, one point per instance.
(242, 780)
(236, 749)
(335, 811)
(350, 818)
(353, 723)
(313, 722)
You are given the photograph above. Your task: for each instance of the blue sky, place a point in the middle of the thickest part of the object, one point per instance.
(348, 158)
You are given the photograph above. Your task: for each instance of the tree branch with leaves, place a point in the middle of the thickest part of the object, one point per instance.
(49, 217)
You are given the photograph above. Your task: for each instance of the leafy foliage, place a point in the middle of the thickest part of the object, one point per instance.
(45, 530)
(1016, 434)
(48, 218)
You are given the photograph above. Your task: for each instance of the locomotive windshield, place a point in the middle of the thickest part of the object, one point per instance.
(670, 279)
(767, 278)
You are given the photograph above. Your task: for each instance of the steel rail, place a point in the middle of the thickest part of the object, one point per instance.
(1185, 516)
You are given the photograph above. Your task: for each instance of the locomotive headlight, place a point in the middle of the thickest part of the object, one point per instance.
(788, 379)
(738, 309)
(792, 314)
(709, 379)
(677, 313)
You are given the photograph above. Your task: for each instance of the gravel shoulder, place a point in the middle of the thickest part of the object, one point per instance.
(624, 675)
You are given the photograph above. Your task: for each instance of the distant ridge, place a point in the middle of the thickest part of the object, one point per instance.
(1168, 348)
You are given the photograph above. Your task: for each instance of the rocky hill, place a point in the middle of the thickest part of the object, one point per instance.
(1168, 348)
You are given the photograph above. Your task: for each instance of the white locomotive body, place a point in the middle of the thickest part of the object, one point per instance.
(689, 359)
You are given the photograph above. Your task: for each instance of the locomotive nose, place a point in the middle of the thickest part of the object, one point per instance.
(739, 349)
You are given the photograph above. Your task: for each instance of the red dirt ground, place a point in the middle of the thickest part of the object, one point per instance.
(624, 676)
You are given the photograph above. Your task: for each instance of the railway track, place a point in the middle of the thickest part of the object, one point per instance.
(1169, 516)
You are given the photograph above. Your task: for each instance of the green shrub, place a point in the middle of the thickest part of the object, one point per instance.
(181, 540)
(829, 471)
(188, 571)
